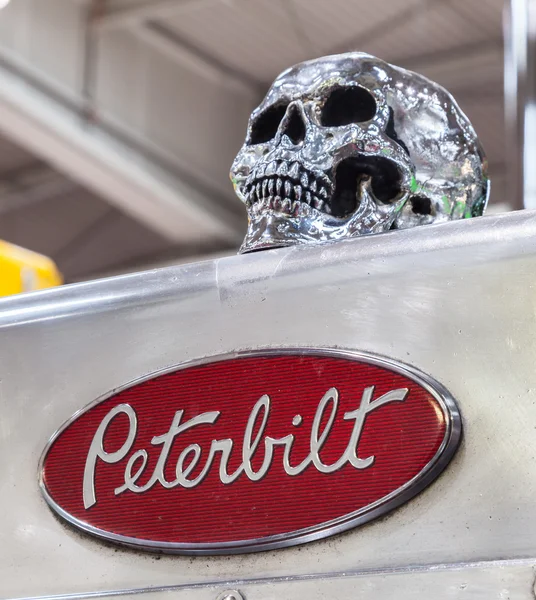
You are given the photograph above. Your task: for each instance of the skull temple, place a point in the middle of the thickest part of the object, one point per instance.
(349, 145)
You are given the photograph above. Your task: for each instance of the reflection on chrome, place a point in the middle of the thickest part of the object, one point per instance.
(349, 145)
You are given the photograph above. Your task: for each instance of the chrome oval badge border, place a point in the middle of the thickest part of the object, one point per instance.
(398, 497)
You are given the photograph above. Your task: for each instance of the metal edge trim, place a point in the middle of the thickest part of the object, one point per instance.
(396, 498)
(300, 578)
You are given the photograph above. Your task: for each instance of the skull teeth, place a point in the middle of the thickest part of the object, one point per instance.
(271, 168)
(288, 187)
(294, 171)
(283, 205)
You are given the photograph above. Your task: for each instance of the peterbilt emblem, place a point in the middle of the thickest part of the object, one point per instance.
(349, 145)
(250, 452)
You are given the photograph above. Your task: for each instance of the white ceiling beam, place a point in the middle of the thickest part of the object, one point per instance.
(459, 53)
(151, 9)
(147, 21)
(175, 209)
(178, 50)
(36, 184)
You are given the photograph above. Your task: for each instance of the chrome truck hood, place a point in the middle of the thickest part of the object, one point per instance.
(456, 301)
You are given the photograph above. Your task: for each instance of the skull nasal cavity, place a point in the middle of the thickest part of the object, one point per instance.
(294, 127)
(264, 128)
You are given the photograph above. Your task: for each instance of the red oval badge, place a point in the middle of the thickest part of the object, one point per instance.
(252, 451)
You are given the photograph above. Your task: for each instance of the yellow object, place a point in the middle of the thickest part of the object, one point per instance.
(22, 270)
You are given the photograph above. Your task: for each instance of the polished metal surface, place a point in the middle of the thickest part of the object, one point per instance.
(497, 580)
(348, 145)
(447, 408)
(457, 301)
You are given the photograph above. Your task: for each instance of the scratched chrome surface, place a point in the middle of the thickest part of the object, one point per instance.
(457, 301)
(348, 145)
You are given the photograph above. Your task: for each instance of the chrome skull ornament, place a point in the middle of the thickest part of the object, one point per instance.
(349, 145)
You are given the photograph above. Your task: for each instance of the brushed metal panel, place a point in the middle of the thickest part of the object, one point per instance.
(457, 301)
(501, 580)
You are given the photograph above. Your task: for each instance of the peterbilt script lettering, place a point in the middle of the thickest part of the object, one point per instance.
(252, 451)
(189, 457)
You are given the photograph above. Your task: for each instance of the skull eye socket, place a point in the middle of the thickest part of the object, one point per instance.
(265, 126)
(348, 105)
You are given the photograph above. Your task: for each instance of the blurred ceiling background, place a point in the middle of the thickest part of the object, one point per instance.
(119, 119)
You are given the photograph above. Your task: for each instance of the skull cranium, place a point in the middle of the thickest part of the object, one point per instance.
(348, 145)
